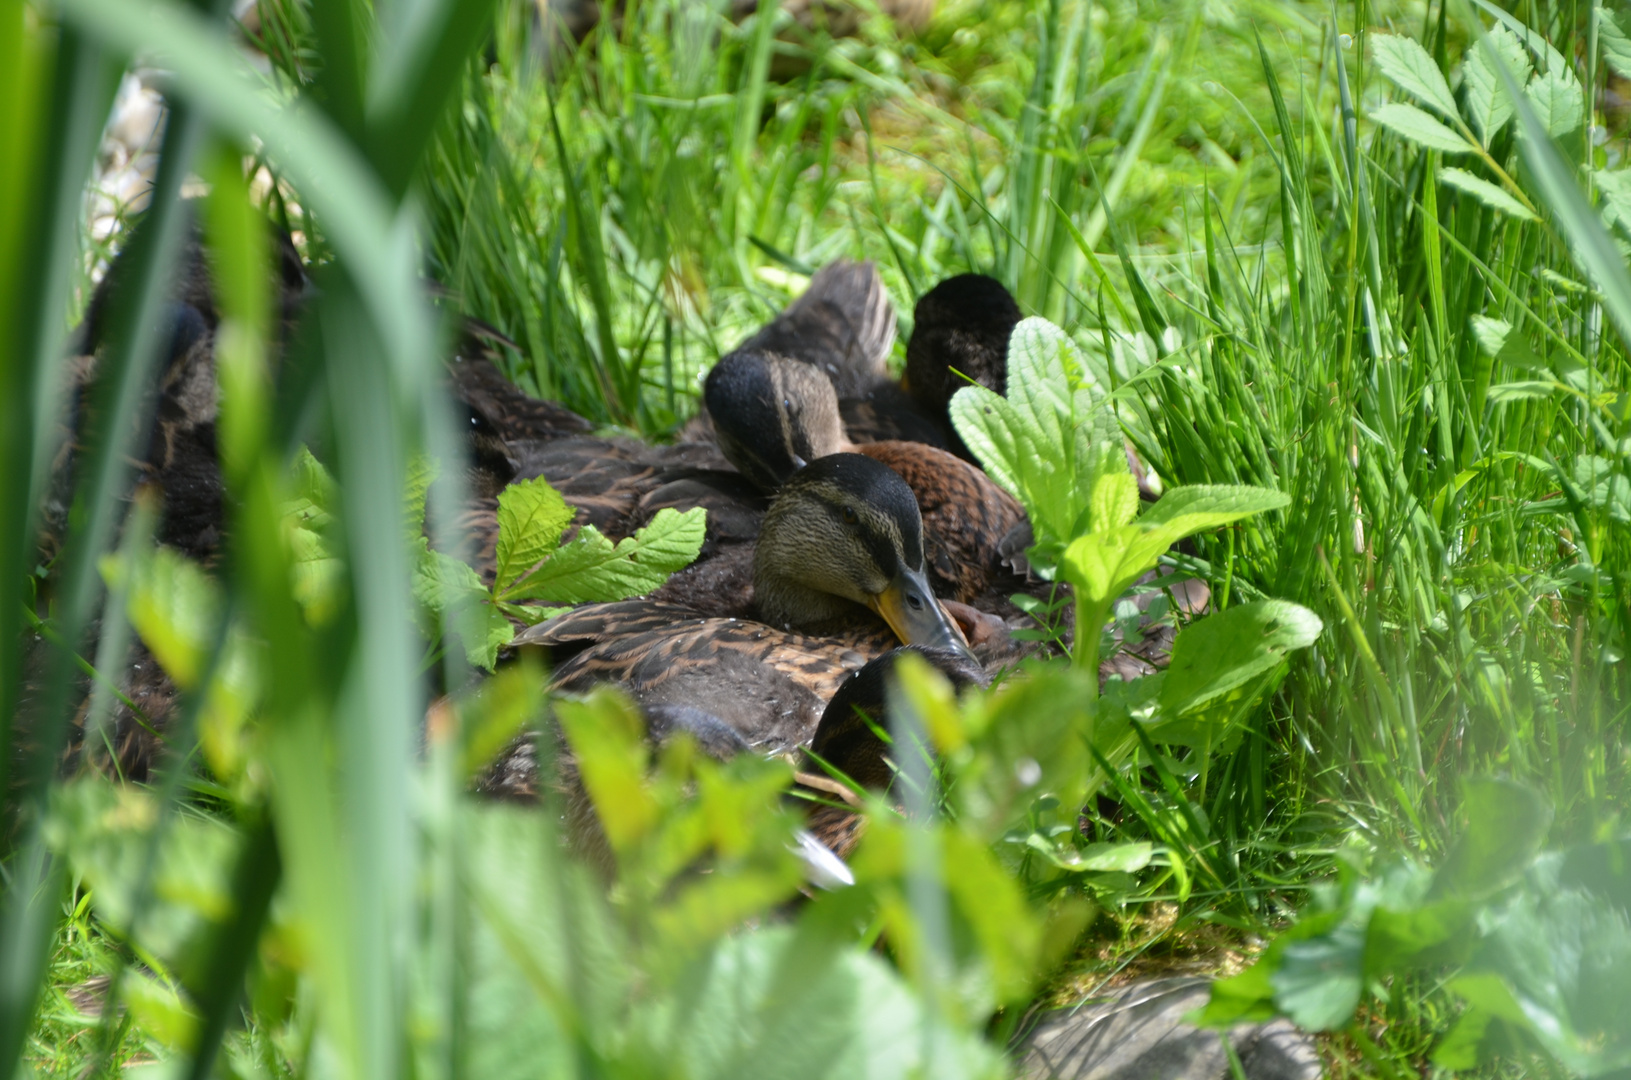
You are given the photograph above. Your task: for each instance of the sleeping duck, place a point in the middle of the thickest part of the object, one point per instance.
(837, 580)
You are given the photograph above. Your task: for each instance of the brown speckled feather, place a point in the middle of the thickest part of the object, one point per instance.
(769, 685)
(965, 515)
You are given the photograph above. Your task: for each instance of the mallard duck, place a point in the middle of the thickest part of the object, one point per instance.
(838, 579)
(771, 415)
(847, 741)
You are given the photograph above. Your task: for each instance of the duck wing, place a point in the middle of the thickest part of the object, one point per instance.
(843, 323)
(767, 685)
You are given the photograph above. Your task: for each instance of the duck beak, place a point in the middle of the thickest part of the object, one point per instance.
(909, 607)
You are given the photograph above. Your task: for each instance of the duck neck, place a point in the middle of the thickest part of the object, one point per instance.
(788, 605)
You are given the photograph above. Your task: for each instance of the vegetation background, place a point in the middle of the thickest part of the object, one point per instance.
(1416, 332)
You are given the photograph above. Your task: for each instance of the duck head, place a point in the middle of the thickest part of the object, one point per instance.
(962, 325)
(772, 415)
(846, 530)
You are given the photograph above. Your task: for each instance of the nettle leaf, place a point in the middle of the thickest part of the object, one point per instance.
(1615, 188)
(1049, 441)
(1404, 61)
(531, 517)
(1614, 35)
(1217, 654)
(1419, 127)
(1557, 100)
(591, 568)
(308, 518)
(1485, 192)
(1487, 98)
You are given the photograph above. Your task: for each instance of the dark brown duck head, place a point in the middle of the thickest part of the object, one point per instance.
(960, 328)
(845, 531)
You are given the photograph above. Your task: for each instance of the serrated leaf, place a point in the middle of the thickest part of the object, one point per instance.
(1404, 61)
(1614, 35)
(1487, 99)
(591, 568)
(445, 585)
(1319, 979)
(1557, 100)
(1048, 440)
(531, 517)
(422, 472)
(1485, 192)
(1615, 188)
(1498, 339)
(1419, 127)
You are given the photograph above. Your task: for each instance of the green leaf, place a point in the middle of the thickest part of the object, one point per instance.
(1522, 390)
(1104, 564)
(1485, 192)
(1404, 61)
(1419, 127)
(531, 517)
(1048, 442)
(591, 568)
(173, 604)
(1506, 824)
(1615, 188)
(1499, 341)
(1319, 979)
(1487, 99)
(1557, 100)
(1214, 655)
(1614, 35)
(447, 586)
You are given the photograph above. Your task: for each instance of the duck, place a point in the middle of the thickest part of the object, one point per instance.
(771, 415)
(848, 751)
(837, 580)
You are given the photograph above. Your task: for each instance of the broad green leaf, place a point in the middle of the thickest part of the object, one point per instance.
(1319, 979)
(1419, 127)
(1214, 655)
(531, 517)
(1485, 192)
(1404, 61)
(1114, 501)
(1127, 858)
(174, 605)
(1557, 100)
(1614, 35)
(1506, 824)
(1522, 390)
(1487, 99)
(1049, 440)
(1105, 564)
(591, 568)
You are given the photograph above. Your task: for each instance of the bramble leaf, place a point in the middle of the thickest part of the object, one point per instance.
(1404, 61)
(1557, 100)
(1614, 35)
(1419, 127)
(531, 517)
(1487, 99)
(1485, 192)
(591, 568)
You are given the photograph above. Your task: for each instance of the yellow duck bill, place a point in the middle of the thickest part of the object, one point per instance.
(909, 607)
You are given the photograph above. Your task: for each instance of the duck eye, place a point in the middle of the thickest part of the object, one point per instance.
(914, 601)
(849, 515)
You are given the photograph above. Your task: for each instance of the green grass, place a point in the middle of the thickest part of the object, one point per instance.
(1277, 300)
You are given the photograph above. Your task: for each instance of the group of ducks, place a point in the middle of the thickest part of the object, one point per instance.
(845, 523)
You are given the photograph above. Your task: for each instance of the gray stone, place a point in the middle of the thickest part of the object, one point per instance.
(1138, 1032)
